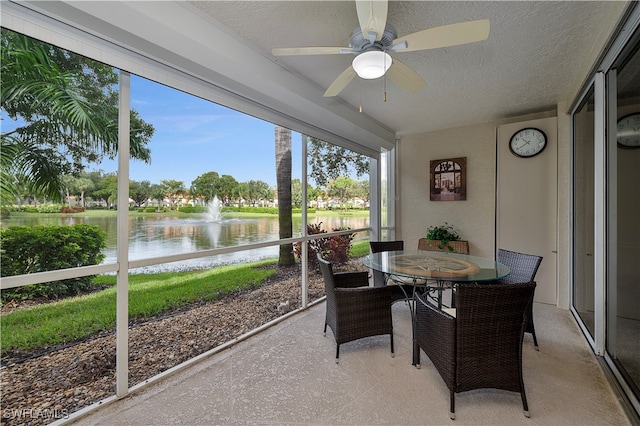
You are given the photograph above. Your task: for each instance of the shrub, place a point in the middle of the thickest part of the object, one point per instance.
(30, 249)
(263, 210)
(335, 248)
(149, 209)
(49, 208)
(192, 209)
(75, 209)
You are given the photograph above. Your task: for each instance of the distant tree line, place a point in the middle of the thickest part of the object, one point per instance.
(97, 187)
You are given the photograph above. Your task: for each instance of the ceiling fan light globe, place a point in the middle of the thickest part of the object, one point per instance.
(372, 64)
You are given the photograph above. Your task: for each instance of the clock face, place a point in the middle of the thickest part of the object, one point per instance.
(629, 131)
(528, 142)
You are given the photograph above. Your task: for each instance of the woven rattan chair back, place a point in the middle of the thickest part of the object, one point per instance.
(523, 270)
(523, 266)
(481, 347)
(380, 246)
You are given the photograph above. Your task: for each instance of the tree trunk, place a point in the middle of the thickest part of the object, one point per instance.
(283, 178)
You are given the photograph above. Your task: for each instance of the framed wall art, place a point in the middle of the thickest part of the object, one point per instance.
(448, 179)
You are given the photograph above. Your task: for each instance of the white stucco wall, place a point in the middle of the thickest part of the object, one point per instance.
(474, 217)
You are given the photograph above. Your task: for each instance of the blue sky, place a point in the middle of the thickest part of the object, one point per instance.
(193, 136)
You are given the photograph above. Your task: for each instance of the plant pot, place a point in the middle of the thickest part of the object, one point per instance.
(459, 246)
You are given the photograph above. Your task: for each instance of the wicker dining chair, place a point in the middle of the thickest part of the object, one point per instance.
(399, 291)
(480, 346)
(355, 310)
(523, 270)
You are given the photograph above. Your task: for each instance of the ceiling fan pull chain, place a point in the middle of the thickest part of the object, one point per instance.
(385, 80)
(385, 88)
(360, 92)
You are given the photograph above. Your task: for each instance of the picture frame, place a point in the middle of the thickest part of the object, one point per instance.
(448, 179)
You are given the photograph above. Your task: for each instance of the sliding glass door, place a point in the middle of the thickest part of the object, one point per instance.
(606, 206)
(623, 186)
(583, 206)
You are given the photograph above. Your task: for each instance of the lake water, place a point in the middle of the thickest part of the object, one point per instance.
(163, 236)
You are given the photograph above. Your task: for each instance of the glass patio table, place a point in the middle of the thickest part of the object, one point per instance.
(433, 272)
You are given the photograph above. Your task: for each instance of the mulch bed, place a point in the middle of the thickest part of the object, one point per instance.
(38, 386)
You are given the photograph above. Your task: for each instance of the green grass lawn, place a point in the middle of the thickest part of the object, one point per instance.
(359, 249)
(75, 318)
(149, 294)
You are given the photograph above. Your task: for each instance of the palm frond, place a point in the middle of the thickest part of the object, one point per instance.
(32, 164)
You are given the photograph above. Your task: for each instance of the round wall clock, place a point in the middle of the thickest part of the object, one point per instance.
(528, 142)
(629, 131)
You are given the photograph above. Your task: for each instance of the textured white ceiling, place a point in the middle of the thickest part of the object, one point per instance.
(537, 54)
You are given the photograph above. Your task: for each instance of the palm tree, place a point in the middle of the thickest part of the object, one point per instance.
(65, 111)
(283, 179)
(26, 167)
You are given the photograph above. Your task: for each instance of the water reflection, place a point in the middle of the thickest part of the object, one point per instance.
(162, 236)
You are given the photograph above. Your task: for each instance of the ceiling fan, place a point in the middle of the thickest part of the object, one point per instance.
(375, 38)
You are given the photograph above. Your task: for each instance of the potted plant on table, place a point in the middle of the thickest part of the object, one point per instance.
(443, 238)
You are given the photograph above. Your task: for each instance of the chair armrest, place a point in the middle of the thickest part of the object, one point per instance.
(351, 279)
(433, 322)
(436, 335)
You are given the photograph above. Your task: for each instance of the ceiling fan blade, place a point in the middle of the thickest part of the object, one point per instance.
(405, 77)
(340, 82)
(446, 35)
(372, 16)
(313, 50)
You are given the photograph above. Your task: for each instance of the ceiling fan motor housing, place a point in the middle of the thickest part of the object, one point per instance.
(359, 43)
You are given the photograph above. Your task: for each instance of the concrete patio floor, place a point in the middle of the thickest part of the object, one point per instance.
(288, 375)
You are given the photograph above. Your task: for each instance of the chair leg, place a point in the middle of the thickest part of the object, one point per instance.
(416, 351)
(530, 326)
(325, 329)
(452, 409)
(392, 353)
(525, 407)
(535, 340)
(337, 353)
